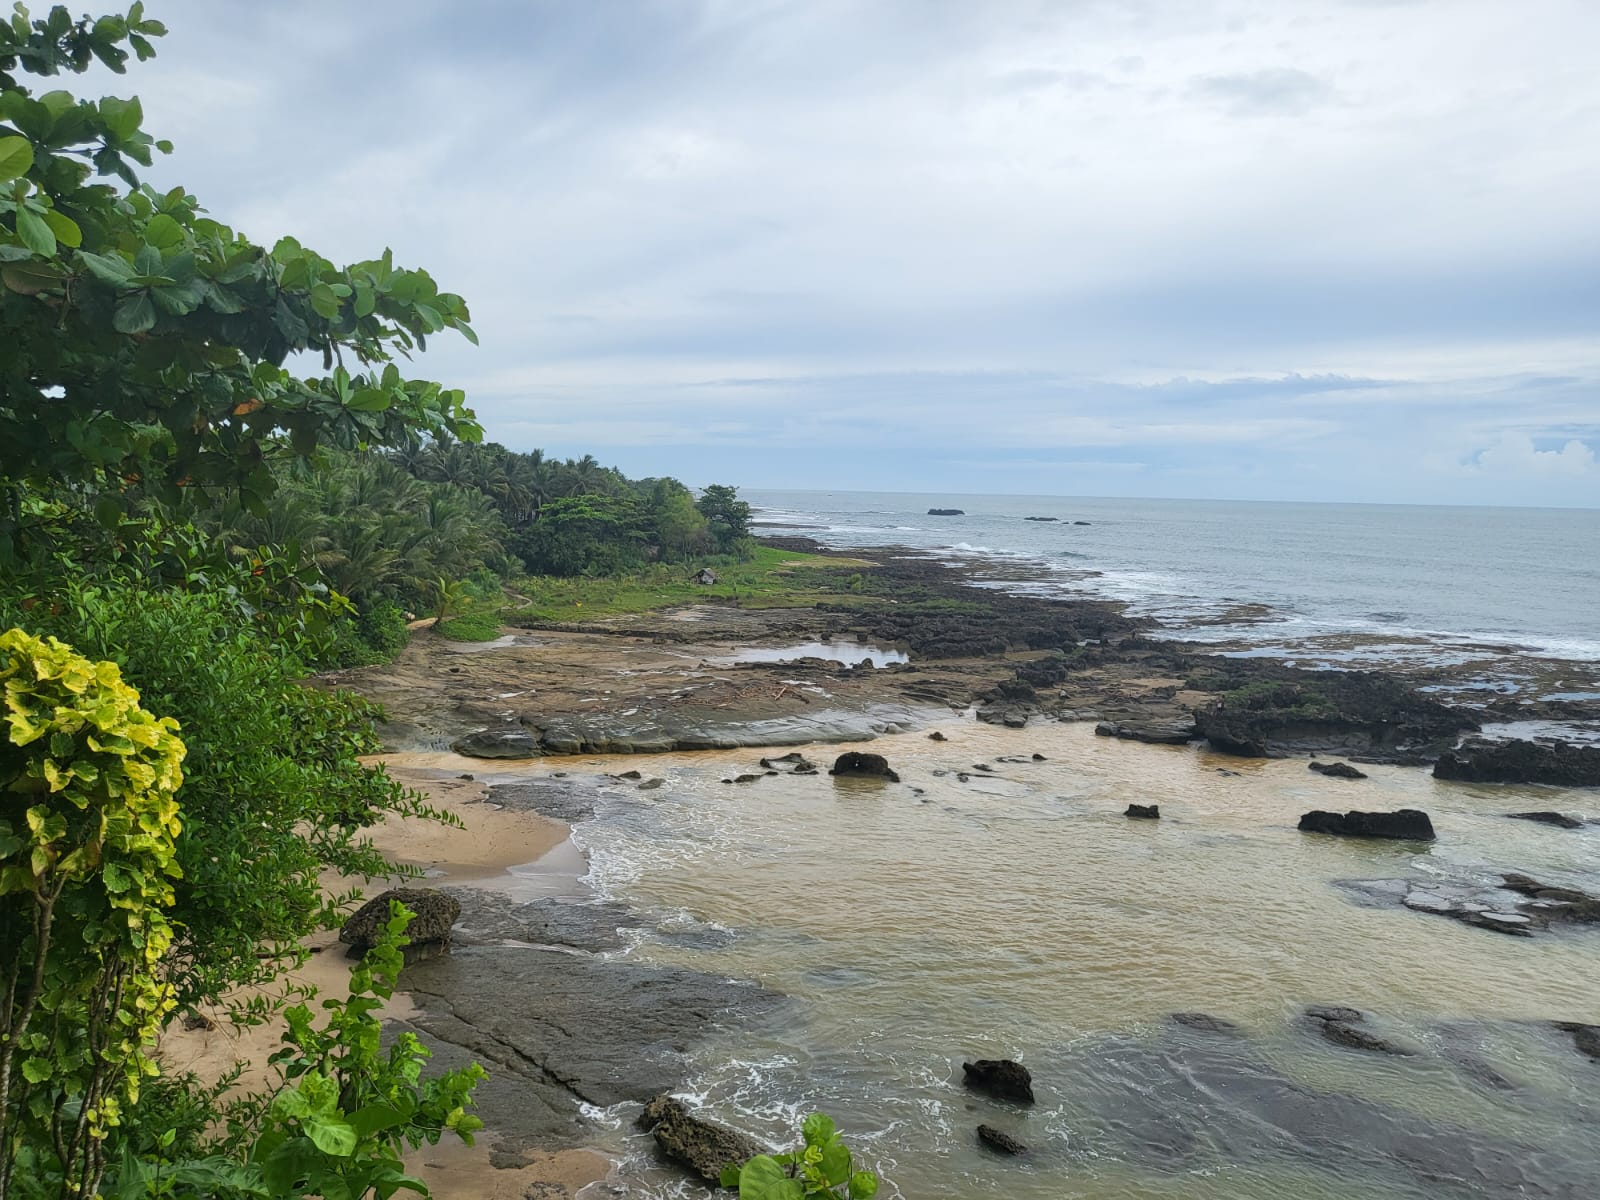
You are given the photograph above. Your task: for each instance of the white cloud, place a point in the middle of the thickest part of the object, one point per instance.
(1515, 455)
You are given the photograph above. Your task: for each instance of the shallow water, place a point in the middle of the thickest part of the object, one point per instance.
(1019, 914)
(849, 653)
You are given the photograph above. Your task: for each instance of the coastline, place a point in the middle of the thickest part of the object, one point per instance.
(599, 685)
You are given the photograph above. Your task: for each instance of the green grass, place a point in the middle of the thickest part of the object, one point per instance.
(772, 579)
(471, 627)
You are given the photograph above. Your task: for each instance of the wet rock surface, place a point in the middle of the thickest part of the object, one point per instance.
(555, 1028)
(1559, 820)
(1347, 1027)
(871, 766)
(703, 1146)
(1170, 733)
(1337, 770)
(1518, 905)
(1206, 1023)
(998, 1140)
(1144, 812)
(1407, 824)
(1267, 710)
(999, 1077)
(1518, 761)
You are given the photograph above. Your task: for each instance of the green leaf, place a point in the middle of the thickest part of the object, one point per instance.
(134, 314)
(29, 278)
(34, 233)
(337, 1138)
(108, 510)
(36, 1070)
(818, 1129)
(763, 1179)
(863, 1185)
(730, 1176)
(64, 227)
(107, 268)
(325, 300)
(122, 117)
(835, 1162)
(370, 400)
(163, 232)
(16, 156)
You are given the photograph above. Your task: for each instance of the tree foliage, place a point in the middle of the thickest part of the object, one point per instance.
(145, 342)
(821, 1166)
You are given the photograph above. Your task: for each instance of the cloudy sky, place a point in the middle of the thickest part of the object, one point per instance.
(1263, 249)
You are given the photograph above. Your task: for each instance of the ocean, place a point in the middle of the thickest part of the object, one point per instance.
(1339, 584)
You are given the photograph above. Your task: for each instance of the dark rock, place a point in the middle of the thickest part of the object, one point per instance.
(795, 762)
(1206, 1023)
(1080, 522)
(1517, 761)
(999, 1077)
(936, 736)
(745, 778)
(1561, 820)
(1041, 518)
(1148, 812)
(1173, 733)
(705, 1147)
(1337, 770)
(856, 763)
(1408, 824)
(1039, 758)
(499, 743)
(436, 914)
(946, 512)
(1341, 1026)
(1585, 1037)
(650, 785)
(635, 775)
(996, 1140)
(1266, 710)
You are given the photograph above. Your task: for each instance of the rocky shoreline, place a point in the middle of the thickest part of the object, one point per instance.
(530, 988)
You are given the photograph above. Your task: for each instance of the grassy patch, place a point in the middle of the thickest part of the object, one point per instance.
(471, 627)
(772, 579)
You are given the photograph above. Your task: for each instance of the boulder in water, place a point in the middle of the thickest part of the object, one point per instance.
(1342, 1027)
(946, 512)
(1585, 1037)
(1206, 1023)
(999, 1077)
(1408, 824)
(1146, 812)
(1560, 820)
(998, 1140)
(705, 1147)
(1478, 760)
(870, 765)
(1337, 770)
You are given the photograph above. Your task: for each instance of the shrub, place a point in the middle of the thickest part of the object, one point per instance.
(87, 863)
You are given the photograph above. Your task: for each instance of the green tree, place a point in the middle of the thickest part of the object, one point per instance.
(145, 343)
(728, 516)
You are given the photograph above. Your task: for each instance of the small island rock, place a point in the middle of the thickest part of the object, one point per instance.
(871, 765)
(999, 1077)
(1408, 824)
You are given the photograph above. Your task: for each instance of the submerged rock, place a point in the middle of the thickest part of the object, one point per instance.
(1337, 770)
(429, 931)
(870, 765)
(936, 736)
(794, 762)
(1520, 906)
(1409, 824)
(1585, 1037)
(1517, 761)
(705, 1147)
(999, 1077)
(995, 1139)
(1560, 820)
(1342, 1027)
(499, 743)
(1206, 1023)
(1146, 812)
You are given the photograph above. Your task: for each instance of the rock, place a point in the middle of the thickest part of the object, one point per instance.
(1206, 1023)
(1037, 519)
(946, 512)
(1266, 710)
(1585, 1037)
(745, 778)
(1039, 758)
(795, 762)
(650, 785)
(936, 736)
(634, 775)
(1408, 824)
(1174, 733)
(1561, 820)
(705, 1147)
(1147, 812)
(429, 929)
(999, 1077)
(991, 1137)
(1337, 770)
(1517, 761)
(1341, 1026)
(499, 743)
(856, 763)
(1080, 522)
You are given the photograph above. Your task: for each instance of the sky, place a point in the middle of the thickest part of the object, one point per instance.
(1253, 249)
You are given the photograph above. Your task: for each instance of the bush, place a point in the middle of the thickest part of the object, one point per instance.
(87, 862)
(383, 628)
(471, 627)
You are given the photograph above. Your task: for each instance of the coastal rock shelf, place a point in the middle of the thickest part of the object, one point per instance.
(1520, 761)
(1520, 906)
